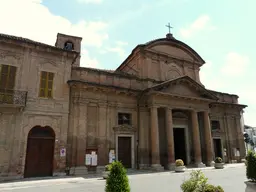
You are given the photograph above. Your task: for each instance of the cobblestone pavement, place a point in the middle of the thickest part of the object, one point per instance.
(231, 179)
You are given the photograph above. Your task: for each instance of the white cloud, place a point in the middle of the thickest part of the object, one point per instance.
(90, 1)
(31, 19)
(235, 64)
(118, 48)
(87, 61)
(212, 76)
(208, 73)
(201, 23)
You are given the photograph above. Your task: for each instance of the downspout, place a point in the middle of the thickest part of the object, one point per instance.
(69, 158)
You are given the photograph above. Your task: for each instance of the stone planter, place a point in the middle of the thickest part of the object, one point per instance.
(250, 186)
(219, 165)
(105, 174)
(180, 169)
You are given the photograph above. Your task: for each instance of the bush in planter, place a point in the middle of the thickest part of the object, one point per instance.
(251, 166)
(179, 163)
(218, 160)
(117, 180)
(212, 188)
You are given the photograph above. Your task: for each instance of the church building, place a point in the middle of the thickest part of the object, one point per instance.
(58, 117)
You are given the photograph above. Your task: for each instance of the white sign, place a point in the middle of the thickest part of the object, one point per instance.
(63, 152)
(94, 159)
(111, 156)
(88, 159)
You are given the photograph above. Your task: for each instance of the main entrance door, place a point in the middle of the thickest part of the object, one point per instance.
(125, 151)
(217, 147)
(40, 152)
(180, 144)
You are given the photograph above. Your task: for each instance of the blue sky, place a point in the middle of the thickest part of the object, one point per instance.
(222, 32)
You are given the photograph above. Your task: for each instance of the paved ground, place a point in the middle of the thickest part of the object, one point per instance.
(231, 179)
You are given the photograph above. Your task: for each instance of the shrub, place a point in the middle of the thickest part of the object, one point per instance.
(218, 160)
(197, 182)
(179, 162)
(212, 188)
(117, 180)
(251, 166)
(108, 167)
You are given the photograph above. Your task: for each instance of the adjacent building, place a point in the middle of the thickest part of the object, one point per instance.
(56, 116)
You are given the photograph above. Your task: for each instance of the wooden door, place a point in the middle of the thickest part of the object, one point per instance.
(40, 153)
(39, 160)
(125, 151)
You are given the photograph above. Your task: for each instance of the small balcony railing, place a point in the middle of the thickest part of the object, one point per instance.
(13, 97)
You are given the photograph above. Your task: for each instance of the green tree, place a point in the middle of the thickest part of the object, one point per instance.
(117, 180)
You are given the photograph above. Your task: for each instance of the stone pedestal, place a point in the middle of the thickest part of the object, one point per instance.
(250, 186)
(200, 165)
(171, 166)
(78, 171)
(157, 167)
(100, 169)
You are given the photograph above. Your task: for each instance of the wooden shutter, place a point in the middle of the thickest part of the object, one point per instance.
(46, 84)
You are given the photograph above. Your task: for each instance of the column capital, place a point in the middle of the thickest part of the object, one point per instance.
(152, 106)
(169, 108)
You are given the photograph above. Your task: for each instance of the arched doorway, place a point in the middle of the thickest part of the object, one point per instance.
(40, 152)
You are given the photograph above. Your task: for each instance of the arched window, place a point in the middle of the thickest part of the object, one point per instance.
(69, 46)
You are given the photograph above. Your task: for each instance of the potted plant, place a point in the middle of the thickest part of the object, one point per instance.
(106, 171)
(179, 166)
(218, 163)
(251, 172)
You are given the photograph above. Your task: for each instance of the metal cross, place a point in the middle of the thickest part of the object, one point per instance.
(169, 26)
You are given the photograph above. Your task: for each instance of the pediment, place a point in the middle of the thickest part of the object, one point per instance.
(186, 87)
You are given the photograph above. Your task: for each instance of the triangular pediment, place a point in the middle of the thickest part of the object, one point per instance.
(184, 86)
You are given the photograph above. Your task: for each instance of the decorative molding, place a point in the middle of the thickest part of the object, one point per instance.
(48, 61)
(4, 54)
(124, 129)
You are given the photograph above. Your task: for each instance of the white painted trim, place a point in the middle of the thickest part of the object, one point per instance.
(132, 147)
(184, 126)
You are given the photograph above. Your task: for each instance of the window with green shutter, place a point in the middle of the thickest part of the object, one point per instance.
(46, 84)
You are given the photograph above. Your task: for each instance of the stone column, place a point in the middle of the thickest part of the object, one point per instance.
(240, 139)
(155, 153)
(208, 139)
(196, 140)
(102, 137)
(81, 134)
(170, 139)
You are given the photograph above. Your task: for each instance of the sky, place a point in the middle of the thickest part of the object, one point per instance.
(221, 31)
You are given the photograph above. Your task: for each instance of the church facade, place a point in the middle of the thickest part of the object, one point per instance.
(58, 117)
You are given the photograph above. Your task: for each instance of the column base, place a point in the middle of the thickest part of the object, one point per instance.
(171, 166)
(157, 167)
(210, 164)
(144, 166)
(200, 165)
(82, 170)
(100, 169)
